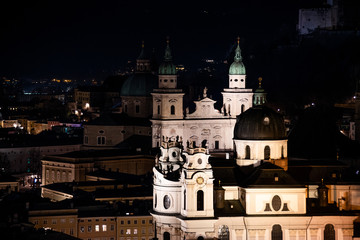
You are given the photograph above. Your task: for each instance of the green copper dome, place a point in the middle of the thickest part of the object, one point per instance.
(237, 67)
(167, 67)
(139, 84)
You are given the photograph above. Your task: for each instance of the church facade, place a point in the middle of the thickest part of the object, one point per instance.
(206, 125)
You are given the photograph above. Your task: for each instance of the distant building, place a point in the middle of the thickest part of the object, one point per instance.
(74, 166)
(326, 17)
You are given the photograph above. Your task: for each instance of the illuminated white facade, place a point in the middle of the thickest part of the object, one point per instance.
(206, 125)
(189, 204)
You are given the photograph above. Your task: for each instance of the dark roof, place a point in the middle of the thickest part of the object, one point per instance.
(119, 119)
(270, 175)
(259, 123)
(231, 208)
(103, 153)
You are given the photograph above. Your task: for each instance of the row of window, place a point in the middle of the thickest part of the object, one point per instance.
(266, 152)
(276, 233)
(134, 231)
(171, 80)
(172, 109)
(97, 228)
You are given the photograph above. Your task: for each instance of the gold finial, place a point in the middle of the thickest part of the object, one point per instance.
(142, 44)
(167, 39)
(337, 156)
(238, 40)
(260, 79)
(322, 181)
(219, 183)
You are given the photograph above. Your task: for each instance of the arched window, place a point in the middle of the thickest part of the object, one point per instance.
(267, 153)
(137, 108)
(276, 233)
(200, 200)
(242, 108)
(247, 152)
(172, 110)
(200, 238)
(223, 232)
(329, 232)
(166, 236)
(158, 109)
(184, 199)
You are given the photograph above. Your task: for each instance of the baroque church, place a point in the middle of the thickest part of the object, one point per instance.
(253, 191)
(206, 125)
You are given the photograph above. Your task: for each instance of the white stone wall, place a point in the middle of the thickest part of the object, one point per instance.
(278, 149)
(257, 198)
(233, 99)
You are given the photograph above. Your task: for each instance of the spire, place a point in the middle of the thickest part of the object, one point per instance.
(238, 57)
(142, 53)
(167, 56)
(167, 67)
(260, 79)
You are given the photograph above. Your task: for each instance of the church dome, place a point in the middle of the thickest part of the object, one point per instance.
(167, 68)
(139, 84)
(259, 123)
(237, 67)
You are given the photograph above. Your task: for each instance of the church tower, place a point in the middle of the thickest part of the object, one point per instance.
(167, 100)
(237, 99)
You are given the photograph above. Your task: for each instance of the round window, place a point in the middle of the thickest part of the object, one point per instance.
(242, 80)
(199, 161)
(174, 154)
(167, 202)
(266, 121)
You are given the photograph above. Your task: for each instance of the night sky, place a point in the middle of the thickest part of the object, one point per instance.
(86, 39)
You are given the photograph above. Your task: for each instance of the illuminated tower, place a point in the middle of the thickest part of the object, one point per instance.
(167, 101)
(237, 98)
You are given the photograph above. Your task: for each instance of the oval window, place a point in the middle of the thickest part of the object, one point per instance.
(167, 202)
(276, 203)
(199, 161)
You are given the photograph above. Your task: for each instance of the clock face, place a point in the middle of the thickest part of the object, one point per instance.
(167, 202)
(200, 180)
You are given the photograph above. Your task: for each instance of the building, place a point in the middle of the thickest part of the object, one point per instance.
(75, 165)
(250, 196)
(206, 125)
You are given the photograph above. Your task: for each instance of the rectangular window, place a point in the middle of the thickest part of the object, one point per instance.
(45, 222)
(143, 231)
(71, 232)
(216, 144)
(104, 228)
(135, 230)
(128, 222)
(122, 222)
(135, 221)
(137, 108)
(89, 228)
(63, 220)
(143, 221)
(101, 140)
(112, 227)
(128, 231)
(54, 221)
(97, 228)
